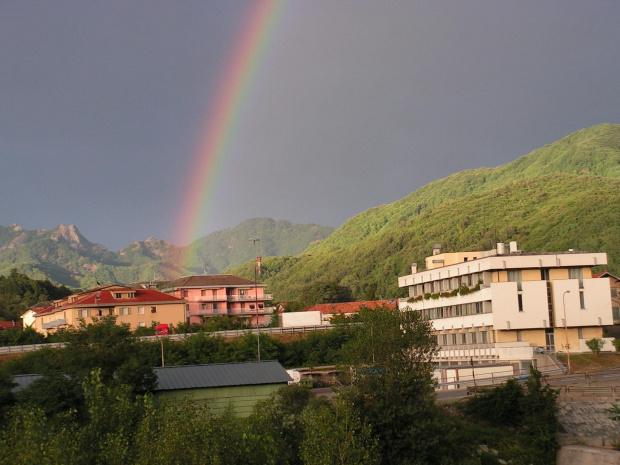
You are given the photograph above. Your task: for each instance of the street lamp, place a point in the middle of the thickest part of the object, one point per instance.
(566, 330)
(256, 293)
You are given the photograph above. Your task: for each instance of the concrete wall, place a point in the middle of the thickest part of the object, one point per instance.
(582, 455)
(301, 319)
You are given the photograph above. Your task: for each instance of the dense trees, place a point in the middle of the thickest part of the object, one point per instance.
(18, 293)
(91, 408)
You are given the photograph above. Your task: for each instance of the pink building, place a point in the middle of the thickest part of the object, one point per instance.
(224, 294)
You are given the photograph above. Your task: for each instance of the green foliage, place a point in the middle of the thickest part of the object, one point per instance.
(18, 293)
(559, 197)
(326, 293)
(616, 343)
(595, 345)
(336, 434)
(500, 406)
(391, 354)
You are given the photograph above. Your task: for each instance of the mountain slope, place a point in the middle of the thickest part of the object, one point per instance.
(590, 151)
(67, 257)
(562, 196)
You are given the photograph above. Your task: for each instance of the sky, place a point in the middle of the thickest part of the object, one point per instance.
(351, 104)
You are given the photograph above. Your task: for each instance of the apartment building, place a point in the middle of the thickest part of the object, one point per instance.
(136, 307)
(506, 305)
(224, 294)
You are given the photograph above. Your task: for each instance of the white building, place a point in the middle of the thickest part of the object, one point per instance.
(506, 305)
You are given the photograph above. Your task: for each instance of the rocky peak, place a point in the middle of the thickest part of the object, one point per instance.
(68, 233)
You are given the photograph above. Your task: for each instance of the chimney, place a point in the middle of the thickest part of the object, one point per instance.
(513, 247)
(414, 268)
(436, 249)
(501, 248)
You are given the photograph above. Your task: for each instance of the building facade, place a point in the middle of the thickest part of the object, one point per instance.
(505, 305)
(214, 295)
(136, 307)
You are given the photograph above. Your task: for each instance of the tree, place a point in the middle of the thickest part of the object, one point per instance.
(336, 435)
(393, 389)
(595, 345)
(326, 293)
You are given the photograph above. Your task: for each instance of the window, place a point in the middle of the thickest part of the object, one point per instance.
(124, 311)
(474, 338)
(453, 339)
(514, 276)
(444, 339)
(580, 333)
(203, 306)
(153, 309)
(616, 312)
(582, 300)
(83, 313)
(519, 336)
(117, 295)
(203, 292)
(141, 324)
(520, 297)
(185, 293)
(214, 307)
(485, 337)
(140, 310)
(576, 273)
(100, 312)
(614, 292)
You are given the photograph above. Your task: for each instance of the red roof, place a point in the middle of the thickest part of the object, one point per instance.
(348, 307)
(10, 325)
(106, 297)
(215, 280)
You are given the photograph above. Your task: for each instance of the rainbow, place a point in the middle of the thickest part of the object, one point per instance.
(233, 90)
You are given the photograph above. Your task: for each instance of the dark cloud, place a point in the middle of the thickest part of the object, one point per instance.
(355, 104)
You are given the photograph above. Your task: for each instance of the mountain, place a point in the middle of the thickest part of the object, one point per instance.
(564, 195)
(67, 257)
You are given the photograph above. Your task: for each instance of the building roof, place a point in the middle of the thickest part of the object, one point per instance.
(10, 325)
(349, 307)
(23, 381)
(605, 274)
(213, 280)
(220, 375)
(105, 297)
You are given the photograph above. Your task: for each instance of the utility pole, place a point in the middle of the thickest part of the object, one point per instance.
(256, 264)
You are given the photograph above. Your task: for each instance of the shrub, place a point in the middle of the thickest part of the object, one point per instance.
(595, 345)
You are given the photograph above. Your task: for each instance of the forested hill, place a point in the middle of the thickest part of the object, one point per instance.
(65, 256)
(564, 195)
(593, 151)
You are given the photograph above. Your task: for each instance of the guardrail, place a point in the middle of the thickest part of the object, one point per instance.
(178, 337)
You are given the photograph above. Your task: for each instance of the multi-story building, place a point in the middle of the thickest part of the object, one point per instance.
(505, 305)
(224, 294)
(136, 307)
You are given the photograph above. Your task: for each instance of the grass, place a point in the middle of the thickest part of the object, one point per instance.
(581, 363)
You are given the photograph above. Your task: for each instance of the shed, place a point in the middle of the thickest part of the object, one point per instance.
(239, 385)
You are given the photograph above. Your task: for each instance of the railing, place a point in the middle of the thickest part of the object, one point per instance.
(467, 351)
(178, 337)
(55, 323)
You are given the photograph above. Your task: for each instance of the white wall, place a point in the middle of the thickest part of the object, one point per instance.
(301, 319)
(597, 302)
(506, 305)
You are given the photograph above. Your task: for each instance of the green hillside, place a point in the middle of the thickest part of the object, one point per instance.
(591, 151)
(564, 195)
(231, 247)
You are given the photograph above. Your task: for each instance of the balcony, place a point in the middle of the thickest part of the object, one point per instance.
(55, 323)
(250, 312)
(249, 298)
(209, 312)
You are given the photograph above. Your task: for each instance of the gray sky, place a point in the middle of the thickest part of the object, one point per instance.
(355, 104)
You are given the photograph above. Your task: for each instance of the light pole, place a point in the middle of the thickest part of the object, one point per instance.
(566, 331)
(256, 294)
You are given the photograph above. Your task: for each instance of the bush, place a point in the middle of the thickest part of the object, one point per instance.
(595, 345)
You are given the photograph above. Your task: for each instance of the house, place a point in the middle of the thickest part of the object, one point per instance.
(322, 314)
(614, 283)
(239, 385)
(136, 307)
(28, 317)
(223, 294)
(504, 305)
